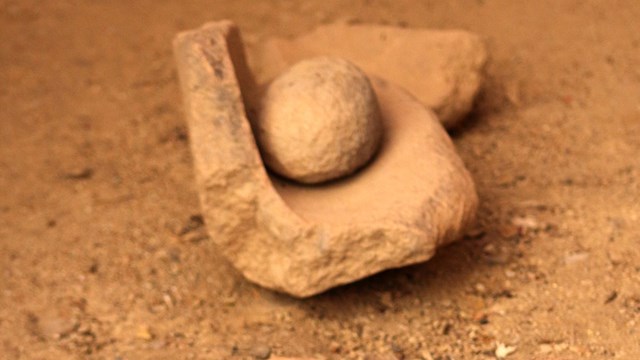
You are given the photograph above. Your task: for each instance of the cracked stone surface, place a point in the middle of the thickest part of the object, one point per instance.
(415, 196)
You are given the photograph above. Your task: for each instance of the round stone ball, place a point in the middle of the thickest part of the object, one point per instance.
(318, 121)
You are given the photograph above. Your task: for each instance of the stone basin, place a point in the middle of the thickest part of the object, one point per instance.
(413, 197)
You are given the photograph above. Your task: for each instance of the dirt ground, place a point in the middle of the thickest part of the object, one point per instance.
(103, 255)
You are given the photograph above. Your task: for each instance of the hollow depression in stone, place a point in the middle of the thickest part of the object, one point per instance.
(392, 187)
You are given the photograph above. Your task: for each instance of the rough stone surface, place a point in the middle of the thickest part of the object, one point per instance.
(443, 69)
(416, 195)
(318, 121)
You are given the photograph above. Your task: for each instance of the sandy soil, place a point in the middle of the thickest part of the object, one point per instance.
(103, 254)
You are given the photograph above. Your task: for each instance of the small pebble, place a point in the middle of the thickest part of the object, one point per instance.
(612, 296)
(260, 351)
(79, 174)
(144, 333)
(56, 326)
(526, 222)
(502, 350)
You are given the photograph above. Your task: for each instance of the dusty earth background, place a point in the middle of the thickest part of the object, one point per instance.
(102, 253)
